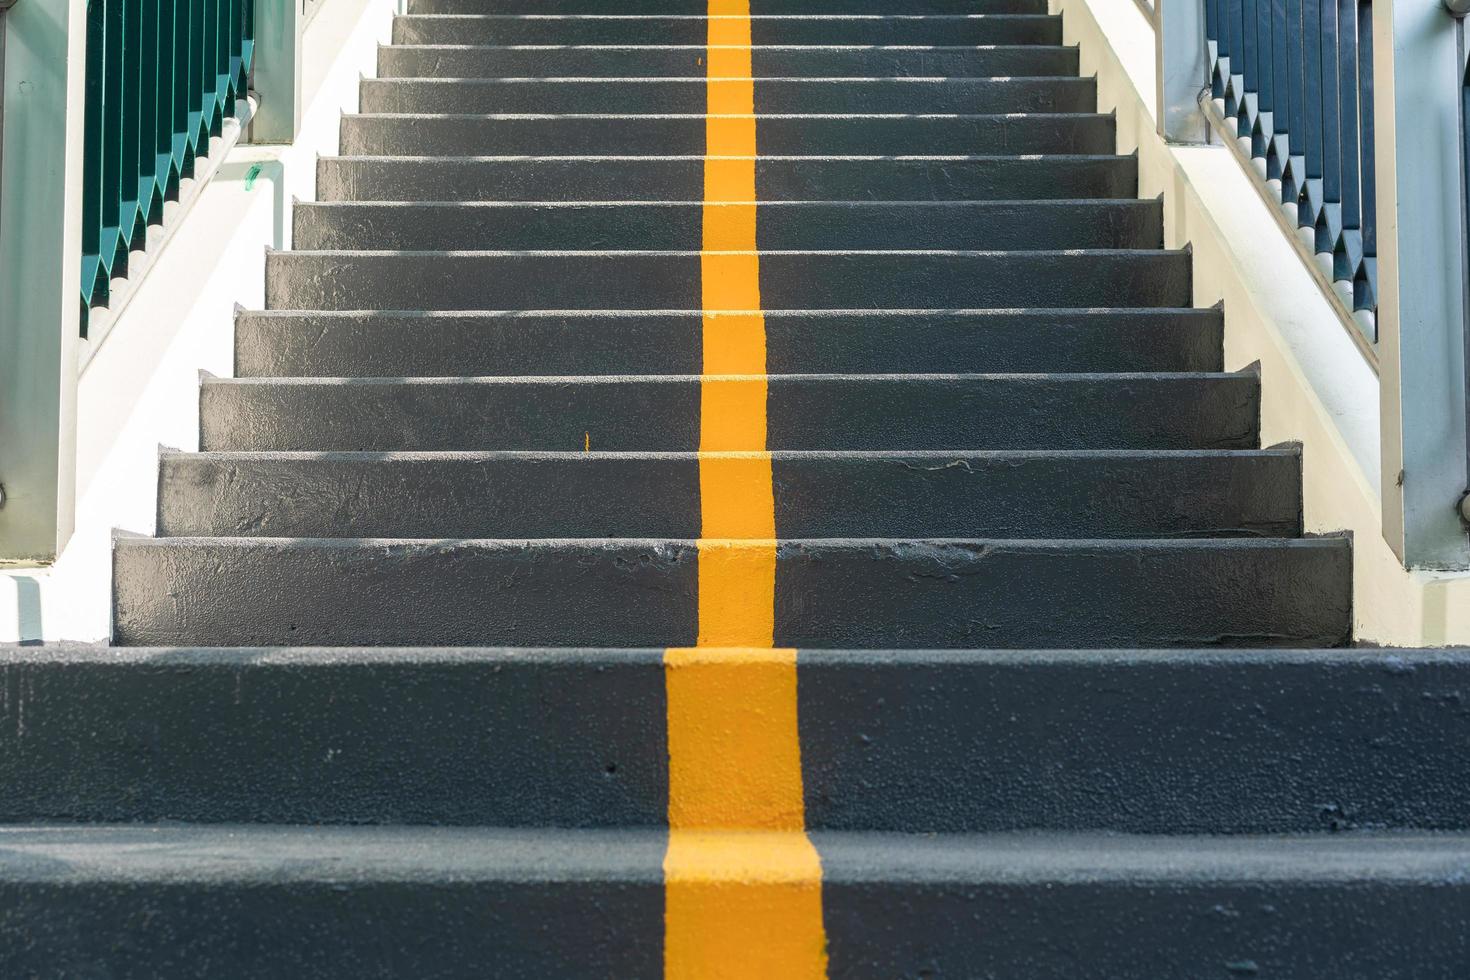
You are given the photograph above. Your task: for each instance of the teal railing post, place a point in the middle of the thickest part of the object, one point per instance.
(40, 273)
(276, 77)
(1418, 78)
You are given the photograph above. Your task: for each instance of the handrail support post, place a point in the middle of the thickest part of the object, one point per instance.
(1418, 81)
(1181, 70)
(40, 273)
(276, 74)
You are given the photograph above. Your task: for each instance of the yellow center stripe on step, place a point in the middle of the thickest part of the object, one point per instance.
(743, 882)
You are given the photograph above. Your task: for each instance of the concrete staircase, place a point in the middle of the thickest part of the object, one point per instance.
(473, 643)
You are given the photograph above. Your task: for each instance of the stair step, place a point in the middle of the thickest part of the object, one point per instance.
(585, 495)
(829, 593)
(682, 178)
(689, 95)
(1189, 741)
(426, 226)
(397, 345)
(817, 29)
(437, 901)
(653, 61)
(814, 280)
(662, 135)
(700, 7)
(804, 412)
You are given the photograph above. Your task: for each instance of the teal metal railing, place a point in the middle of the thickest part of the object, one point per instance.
(162, 76)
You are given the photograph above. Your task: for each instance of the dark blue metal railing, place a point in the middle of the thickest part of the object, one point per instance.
(1297, 78)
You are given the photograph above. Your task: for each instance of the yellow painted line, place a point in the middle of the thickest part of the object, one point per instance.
(743, 883)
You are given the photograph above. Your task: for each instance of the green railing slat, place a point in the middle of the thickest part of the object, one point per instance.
(162, 76)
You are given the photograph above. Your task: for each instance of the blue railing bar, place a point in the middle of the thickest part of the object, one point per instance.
(1366, 134)
(1347, 100)
(1293, 175)
(1277, 149)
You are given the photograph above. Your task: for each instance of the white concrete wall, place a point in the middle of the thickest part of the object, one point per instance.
(139, 387)
(1318, 388)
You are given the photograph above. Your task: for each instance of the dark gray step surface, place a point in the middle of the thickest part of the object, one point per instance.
(395, 345)
(701, 7)
(620, 413)
(817, 29)
(829, 593)
(687, 95)
(179, 901)
(1154, 741)
(649, 60)
(682, 178)
(426, 226)
(655, 135)
(585, 495)
(789, 280)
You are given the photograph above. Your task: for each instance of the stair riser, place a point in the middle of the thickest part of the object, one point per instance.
(671, 281)
(386, 345)
(811, 413)
(1070, 224)
(267, 592)
(357, 902)
(429, 738)
(701, 7)
(1223, 742)
(429, 96)
(896, 495)
(805, 29)
(1213, 743)
(443, 928)
(682, 179)
(1384, 929)
(1143, 929)
(366, 135)
(455, 61)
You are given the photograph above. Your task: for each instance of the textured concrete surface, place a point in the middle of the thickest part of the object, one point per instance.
(805, 28)
(1158, 742)
(789, 280)
(643, 135)
(482, 737)
(685, 95)
(675, 61)
(828, 592)
(602, 177)
(423, 344)
(235, 901)
(851, 412)
(1224, 741)
(967, 225)
(934, 494)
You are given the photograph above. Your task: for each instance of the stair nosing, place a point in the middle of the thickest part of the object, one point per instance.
(1055, 545)
(1160, 312)
(699, 158)
(409, 46)
(683, 379)
(881, 455)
